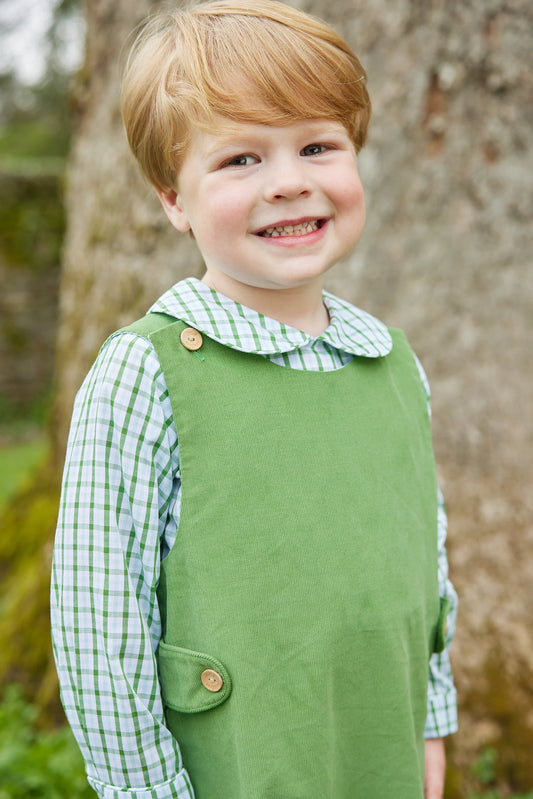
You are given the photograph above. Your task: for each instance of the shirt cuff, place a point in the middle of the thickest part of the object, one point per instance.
(179, 787)
(442, 715)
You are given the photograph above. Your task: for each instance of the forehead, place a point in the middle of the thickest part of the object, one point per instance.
(227, 133)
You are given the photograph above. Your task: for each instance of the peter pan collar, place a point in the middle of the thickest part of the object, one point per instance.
(234, 325)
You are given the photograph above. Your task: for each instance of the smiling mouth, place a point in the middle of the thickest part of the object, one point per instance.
(298, 229)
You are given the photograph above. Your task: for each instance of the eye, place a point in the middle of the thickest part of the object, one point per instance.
(245, 159)
(314, 149)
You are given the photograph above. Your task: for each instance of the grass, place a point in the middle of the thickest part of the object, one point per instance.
(484, 772)
(497, 795)
(17, 461)
(34, 763)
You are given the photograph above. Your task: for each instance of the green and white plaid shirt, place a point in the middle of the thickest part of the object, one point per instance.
(119, 515)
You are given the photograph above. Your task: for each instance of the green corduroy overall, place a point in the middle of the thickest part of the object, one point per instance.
(302, 587)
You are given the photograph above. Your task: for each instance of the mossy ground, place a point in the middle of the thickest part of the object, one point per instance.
(16, 460)
(28, 513)
(503, 766)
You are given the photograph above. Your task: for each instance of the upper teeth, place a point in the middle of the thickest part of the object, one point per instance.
(291, 230)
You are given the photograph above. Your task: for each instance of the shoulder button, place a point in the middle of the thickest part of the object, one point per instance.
(191, 339)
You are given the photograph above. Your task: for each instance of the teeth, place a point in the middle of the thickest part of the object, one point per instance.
(291, 230)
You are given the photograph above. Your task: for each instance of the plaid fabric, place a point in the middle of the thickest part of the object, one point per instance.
(118, 517)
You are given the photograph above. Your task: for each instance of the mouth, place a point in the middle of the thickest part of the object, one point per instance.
(296, 228)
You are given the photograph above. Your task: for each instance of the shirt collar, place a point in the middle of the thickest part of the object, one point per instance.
(241, 328)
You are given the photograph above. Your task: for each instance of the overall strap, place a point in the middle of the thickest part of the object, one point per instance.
(149, 324)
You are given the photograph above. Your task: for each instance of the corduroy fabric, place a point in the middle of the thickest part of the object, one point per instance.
(305, 565)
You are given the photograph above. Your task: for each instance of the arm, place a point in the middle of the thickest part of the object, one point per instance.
(435, 757)
(119, 493)
(442, 698)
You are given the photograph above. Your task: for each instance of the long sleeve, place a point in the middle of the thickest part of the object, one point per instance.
(442, 697)
(119, 497)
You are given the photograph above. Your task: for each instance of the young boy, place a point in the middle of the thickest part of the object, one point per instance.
(250, 581)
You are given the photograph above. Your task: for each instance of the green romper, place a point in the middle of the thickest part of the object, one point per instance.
(300, 603)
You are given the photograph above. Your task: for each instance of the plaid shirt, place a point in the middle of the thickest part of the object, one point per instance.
(118, 518)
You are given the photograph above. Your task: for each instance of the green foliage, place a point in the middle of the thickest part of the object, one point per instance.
(35, 763)
(32, 221)
(503, 698)
(504, 766)
(35, 132)
(35, 120)
(22, 420)
(485, 771)
(32, 138)
(17, 461)
(494, 795)
(27, 525)
(488, 777)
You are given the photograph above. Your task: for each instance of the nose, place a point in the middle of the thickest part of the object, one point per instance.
(287, 179)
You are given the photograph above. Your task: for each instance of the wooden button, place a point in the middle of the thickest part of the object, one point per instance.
(446, 627)
(212, 680)
(191, 339)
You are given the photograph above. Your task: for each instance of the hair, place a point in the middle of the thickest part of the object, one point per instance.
(251, 61)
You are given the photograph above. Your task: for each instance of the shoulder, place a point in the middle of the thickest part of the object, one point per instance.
(410, 363)
(423, 377)
(400, 341)
(126, 371)
(126, 351)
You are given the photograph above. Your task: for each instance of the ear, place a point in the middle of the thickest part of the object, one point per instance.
(172, 203)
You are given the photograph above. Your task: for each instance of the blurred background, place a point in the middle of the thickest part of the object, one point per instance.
(84, 248)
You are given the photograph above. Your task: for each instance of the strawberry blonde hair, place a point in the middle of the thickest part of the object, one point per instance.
(251, 61)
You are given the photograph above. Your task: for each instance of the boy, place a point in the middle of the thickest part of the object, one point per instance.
(250, 548)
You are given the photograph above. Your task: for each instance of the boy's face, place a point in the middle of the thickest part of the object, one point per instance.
(270, 207)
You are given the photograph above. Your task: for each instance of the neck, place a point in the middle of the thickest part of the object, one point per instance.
(300, 307)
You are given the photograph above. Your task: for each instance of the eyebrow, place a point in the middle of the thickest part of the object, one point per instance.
(231, 140)
(235, 140)
(220, 147)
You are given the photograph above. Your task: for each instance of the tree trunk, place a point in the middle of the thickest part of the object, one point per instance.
(447, 173)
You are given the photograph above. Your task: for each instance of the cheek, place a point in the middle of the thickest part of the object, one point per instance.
(227, 210)
(351, 209)
(358, 202)
(351, 196)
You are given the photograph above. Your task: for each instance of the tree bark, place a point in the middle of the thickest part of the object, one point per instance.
(445, 255)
